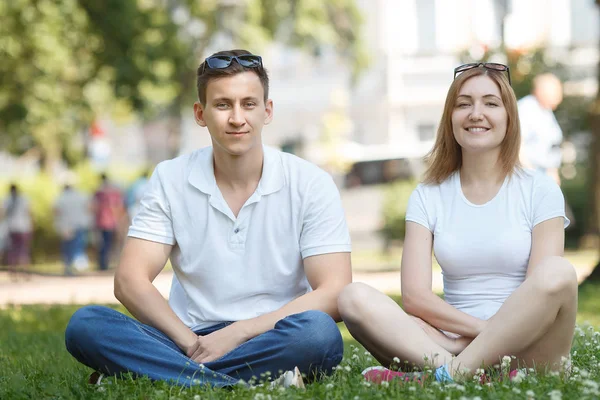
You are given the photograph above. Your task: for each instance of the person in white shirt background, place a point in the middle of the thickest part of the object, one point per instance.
(497, 231)
(72, 221)
(541, 134)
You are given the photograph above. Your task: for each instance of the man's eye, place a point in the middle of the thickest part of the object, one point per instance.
(250, 104)
(221, 105)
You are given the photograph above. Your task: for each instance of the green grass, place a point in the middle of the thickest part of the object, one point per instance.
(35, 365)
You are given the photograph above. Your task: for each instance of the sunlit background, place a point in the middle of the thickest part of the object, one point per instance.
(358, 86)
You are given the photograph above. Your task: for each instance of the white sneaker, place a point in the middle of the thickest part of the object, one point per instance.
(288, 379)
(96, 378)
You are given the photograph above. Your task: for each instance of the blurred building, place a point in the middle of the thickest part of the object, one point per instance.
(392, 112)
(415, 45)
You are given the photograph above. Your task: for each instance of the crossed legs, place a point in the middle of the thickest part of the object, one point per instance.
(536, 324)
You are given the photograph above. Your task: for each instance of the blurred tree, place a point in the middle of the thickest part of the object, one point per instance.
(594, 158)
(60, 59)
(66, 61)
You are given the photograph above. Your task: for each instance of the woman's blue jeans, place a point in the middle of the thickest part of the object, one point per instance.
(113, 343)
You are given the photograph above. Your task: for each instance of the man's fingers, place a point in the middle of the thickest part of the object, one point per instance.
(205, 358)
(197, 353)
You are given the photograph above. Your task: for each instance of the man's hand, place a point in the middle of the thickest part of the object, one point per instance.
(215, 345)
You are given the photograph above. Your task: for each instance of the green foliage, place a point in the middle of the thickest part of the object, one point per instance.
(35, 364)
(577, 196)
(65, 62)
(395, 201)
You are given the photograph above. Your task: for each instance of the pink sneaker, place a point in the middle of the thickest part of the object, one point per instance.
(380, 374)
(486, 379)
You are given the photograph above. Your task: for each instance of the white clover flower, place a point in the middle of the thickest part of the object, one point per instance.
(591, 384)
(412, 389)
(460, 388)
(385, 384)
(506, 360)
(347, 368)
(516, 390)
(355, 356)
(555, 395)
(367, 384)
(530, 393)
(396, 360)
(101, 389)
(197, 397)
(329, 386)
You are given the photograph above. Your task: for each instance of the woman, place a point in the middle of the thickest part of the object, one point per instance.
(497, 231)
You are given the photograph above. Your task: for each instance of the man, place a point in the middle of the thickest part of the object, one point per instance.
(71, 220)
(108, 209)
(259, 247)
(540, 132)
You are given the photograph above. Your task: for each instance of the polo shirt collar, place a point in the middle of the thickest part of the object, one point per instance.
(202, 174)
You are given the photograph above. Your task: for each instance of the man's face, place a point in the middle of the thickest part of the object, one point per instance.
(235, 113)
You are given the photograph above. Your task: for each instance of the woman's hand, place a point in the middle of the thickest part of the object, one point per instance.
(452, 343)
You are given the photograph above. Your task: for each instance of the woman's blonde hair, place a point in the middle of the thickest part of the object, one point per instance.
(446, 155)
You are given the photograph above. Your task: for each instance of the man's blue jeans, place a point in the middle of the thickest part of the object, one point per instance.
(113, 343)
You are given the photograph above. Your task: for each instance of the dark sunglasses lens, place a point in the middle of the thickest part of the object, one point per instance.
(465, 67)
(219, 62)
(249, 61)
(497, 67)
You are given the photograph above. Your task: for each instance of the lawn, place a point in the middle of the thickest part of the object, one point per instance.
(34, 364)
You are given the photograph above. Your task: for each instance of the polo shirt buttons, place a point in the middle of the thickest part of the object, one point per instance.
(236, 230)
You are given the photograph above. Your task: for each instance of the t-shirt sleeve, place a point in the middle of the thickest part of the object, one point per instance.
(547, 201)
(153, 221)
(324, 227)
(416, 211)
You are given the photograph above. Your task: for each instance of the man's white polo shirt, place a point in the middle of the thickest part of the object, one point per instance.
(228, 268)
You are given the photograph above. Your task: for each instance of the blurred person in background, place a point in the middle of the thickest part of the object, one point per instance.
(109, 210)
(497, 232)
(71, 220)
(259, 247)
(134, 194)
(540, 132)
(17, 214)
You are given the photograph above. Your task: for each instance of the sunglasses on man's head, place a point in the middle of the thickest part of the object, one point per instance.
(492, 66)
(220, 62)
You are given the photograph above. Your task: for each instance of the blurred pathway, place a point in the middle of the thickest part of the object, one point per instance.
(98, 287)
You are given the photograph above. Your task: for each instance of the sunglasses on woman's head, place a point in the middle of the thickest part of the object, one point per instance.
(492, 66)
(223, 61)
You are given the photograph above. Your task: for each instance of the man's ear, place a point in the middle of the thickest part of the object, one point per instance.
(199, 114)
(268, 111)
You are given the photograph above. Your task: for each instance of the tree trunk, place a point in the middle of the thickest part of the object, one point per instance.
(594, 160)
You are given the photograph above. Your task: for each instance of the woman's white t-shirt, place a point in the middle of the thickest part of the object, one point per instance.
(484, 250)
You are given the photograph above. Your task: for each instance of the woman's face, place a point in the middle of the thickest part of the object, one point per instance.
(479, 119)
